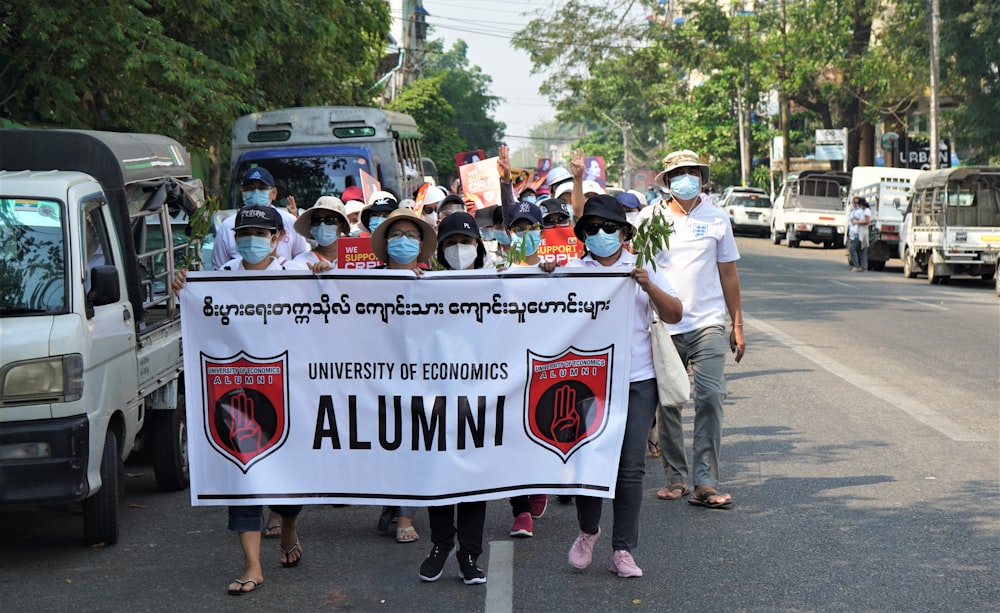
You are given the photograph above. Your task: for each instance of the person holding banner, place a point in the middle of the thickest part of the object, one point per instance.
(459, 248)
(403, 241)
(257, 230)
(604, 229)
(325, 222)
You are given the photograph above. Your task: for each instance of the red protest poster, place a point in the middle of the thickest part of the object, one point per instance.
(355, 252)
(520, 178)
(559, 245)
(593, 170)
(369, 185)
(469, 157)
(418, 200)
(544, 166)
(481, 182)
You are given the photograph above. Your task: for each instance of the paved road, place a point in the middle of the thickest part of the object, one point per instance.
(860, 444)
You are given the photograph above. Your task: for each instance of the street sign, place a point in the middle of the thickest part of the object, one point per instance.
(889, 140)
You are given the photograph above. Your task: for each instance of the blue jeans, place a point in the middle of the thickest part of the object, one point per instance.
(704, 350)
(251, 518)
(631, 470)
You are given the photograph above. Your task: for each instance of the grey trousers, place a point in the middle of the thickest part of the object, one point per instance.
(704, 350)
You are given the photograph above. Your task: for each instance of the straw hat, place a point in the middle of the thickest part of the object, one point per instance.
(681, 159)
(428, 242)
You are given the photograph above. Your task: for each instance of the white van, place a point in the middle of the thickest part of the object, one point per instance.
(91, 231)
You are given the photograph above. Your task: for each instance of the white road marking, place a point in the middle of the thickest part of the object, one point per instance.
(500, 579)
(915, 409)
(926, 304)
(841, 283)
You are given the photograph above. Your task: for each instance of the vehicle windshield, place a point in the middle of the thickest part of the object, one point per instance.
(751, 202)
(33, 275)
(307, 177)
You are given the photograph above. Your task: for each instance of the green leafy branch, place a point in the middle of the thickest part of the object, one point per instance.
(199, 226)
(651, 237)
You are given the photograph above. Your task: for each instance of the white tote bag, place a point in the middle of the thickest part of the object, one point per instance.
(672, 381)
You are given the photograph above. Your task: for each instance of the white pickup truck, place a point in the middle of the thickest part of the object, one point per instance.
(952, 225)
(810, 206)
(90, 353)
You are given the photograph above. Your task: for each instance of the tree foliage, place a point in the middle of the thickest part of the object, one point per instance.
(184, 69)
(435, 117)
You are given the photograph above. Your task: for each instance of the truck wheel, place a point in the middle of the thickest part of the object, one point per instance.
(909, 265)
(838, 243)
(932, 277)
(170, 452)
(775, 236)
(792, 244)
(100, 511)
(876, 265)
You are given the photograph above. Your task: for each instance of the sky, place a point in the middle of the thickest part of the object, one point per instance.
(487, 27)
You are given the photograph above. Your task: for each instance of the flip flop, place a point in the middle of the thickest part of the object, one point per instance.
(667, 493)
(288, 552)
(272, 532)
(407, 535)
(702, 500)
(240, 591)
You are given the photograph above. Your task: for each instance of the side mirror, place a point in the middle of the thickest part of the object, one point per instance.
(104, 288)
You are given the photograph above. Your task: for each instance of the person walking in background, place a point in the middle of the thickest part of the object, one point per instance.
(857, 235)
(701, 266)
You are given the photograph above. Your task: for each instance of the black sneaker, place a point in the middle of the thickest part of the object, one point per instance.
(433, 566)
(471, 574)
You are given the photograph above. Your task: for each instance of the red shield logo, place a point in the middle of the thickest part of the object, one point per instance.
(566, 399)
(245, 405)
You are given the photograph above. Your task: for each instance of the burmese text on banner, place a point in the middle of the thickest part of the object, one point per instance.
(378, 387)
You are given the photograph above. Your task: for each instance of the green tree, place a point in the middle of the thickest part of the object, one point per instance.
(466, 88)
(435, 117)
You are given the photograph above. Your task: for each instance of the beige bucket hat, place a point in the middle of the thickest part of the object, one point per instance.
(428, 242)
(684, 158)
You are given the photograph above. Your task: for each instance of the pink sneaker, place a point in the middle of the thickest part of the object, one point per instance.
(582, 551)
(623, 564)
(538, 503)
(522, 526)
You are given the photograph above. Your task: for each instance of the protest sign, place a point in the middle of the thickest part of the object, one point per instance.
(356, 252)
(560, 245)
(377, 387)
(369, 185)
(481, 182)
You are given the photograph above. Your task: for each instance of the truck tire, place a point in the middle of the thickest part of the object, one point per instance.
(932, 277)
(838, 243)
(776, 236)
(170, 452)
(909, 265)
(876, 265)
(100, 511)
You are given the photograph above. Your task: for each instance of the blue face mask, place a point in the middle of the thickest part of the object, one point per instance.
(531, 199)
(603, 244)
(253, 249)
(325, 235)
(503, 238)
(685, 187)
(487, 234)
(402, 249)
(531, 240)
(374, 221)
(259, 197)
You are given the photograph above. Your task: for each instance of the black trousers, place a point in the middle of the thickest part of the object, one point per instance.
(470, 521)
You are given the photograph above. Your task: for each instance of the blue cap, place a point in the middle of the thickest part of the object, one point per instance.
(629, 201)
(258, 173)
(523, 210)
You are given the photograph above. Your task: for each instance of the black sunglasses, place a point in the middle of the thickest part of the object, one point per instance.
(330, 221)
(609, 227)
(555, 220)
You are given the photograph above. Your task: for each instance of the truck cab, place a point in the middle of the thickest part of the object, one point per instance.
(90, 357)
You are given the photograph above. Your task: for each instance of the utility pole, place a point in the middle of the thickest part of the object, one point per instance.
(626, 163)
(935, 68)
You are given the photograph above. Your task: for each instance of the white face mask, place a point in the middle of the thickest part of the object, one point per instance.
(632, 216)
(431, 218)
(460, 256)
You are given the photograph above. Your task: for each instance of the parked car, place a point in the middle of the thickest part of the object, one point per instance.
(749, 210)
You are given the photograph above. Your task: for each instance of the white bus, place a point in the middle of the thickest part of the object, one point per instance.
(320, 151)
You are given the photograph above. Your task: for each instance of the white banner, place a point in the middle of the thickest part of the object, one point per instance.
(376, 387)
